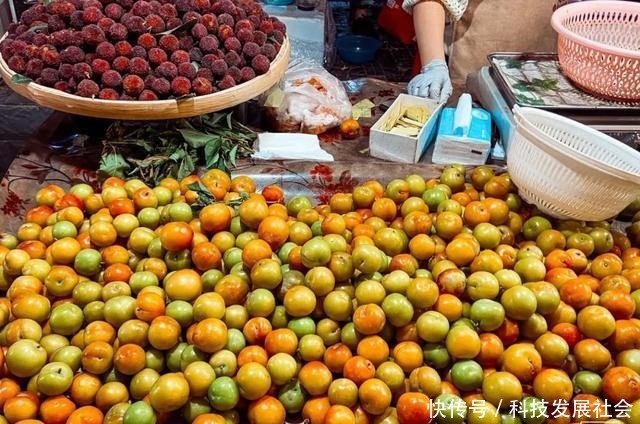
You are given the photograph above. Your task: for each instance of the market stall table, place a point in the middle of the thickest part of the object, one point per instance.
(65, 151)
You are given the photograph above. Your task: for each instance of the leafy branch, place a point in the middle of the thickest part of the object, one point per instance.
(152, 151)
(205, 197)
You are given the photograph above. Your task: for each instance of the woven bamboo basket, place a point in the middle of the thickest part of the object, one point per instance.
(150, 110)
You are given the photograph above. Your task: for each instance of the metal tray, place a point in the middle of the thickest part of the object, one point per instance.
(535, 80)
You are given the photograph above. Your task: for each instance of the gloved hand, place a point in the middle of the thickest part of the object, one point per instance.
(432, 82)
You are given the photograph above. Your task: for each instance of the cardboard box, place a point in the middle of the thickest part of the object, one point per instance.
(399, 148)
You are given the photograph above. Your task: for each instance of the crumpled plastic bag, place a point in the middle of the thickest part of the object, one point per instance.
(308, 100)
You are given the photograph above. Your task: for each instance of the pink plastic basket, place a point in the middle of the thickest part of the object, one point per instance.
(599, 47)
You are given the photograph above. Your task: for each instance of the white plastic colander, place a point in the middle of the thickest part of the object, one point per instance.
(569, 170)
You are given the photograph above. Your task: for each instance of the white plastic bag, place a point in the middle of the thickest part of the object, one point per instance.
(308, 100)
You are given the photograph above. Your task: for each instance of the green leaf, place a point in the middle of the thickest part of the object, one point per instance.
(178, 155)
(545, 84)
(526, 100)
(196, 139)
(213, 119)
(186, 167)
(38, 27)
(20, 79)
(514, 64)
(232, 155)
(184, 27)
(113, 165)
(204, 195)
(212, 152)
(229, 122)
(522, 86)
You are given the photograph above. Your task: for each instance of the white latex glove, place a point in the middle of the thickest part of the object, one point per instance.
(432, 82)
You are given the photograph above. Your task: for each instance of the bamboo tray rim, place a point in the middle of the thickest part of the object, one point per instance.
(150, 109)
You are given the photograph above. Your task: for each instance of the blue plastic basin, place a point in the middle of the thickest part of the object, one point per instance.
(357, 49)
(279, 2)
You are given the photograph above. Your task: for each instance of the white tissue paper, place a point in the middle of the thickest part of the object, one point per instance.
(292, 146)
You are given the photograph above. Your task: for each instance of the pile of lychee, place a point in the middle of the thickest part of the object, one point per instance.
(142, 50)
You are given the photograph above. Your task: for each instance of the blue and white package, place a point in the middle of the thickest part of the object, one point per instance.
(464, 135)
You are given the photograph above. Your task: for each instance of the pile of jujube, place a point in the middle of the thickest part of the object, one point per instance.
(126, 50)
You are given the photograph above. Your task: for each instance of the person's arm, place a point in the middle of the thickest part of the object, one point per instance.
(429, 20)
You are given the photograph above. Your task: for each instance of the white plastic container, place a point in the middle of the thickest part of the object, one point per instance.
(399, 148)
(569, 170)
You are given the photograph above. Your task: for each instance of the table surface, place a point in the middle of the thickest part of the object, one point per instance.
(45, 161)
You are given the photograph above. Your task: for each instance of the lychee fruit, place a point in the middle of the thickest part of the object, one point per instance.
(225, 31)
(250, 50)
(185, 42)
(161, 86)
(108, 94)
(244, 35)
(179, 56)
(147, 95)
(210, 22)
(132, 85)
(219, 68)
(72, 54)
(180, 86)
(169, 42)
(100, 66)
(269, 51)
(209, 44)
(235, 74)
(106, 51)
(113, 11)
(201, 86)
(82, 71)
(187, 70)
(226, 19)
(17, 64)
(198, 31)
(233, 44)
(260, 64)
(141, 8)
(167, 11)
(147, 41)
(259, 37)
(167, 70)
(244, 24)
(65, 71)
(157, 56)
(123, 48)
(205, 73)
(139, 51)
(105, 24)
(154, 23)
(120, 64)
(91, 15)
(111, 78)
(226, 82)
(48, 77)
(247, 73)
(93, 35)
(117, 32)
(62, 86)
(87, 88)
(232, 58)
(138, 66)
